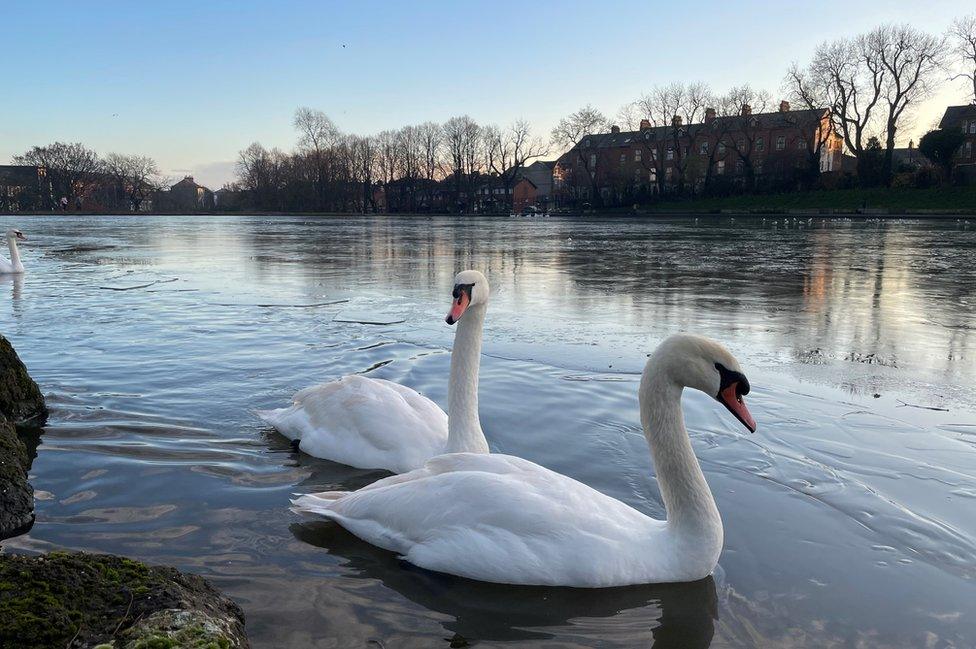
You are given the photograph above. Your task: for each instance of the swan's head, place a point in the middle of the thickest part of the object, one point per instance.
(14, 233)
(470, 289)
(703, 364)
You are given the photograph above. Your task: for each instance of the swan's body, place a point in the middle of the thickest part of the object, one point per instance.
(376, 424)
(504, 519)
(13, 266)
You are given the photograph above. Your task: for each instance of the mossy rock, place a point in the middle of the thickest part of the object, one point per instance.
(82, 600)
(21, 401)
(16, 495)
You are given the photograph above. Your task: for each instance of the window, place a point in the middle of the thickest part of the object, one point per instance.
(670, 155)
(740, 144)
(972, 126)
(739, 167)
(720, 168)
(637, 155)
(757, 167)
(586, 143)
(652, 176)
(668, 173)
(703, 148)
(623, 158)
(760, 144)
(801, 145)
(592, 160)
(721, 149)
(637, 176)
(780, 143)
(967, 150)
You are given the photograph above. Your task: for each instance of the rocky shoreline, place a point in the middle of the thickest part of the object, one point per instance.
(74, 599)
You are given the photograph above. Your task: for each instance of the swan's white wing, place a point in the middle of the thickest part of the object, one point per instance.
(6, 266)
(364, 422)
(500, 518)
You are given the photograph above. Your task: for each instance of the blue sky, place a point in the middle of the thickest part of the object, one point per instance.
(192, 83)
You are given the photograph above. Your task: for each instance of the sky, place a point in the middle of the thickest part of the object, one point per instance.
(192, 83)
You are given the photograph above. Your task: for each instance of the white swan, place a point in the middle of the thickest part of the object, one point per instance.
(503, 519)
(14, 266)
(377, 424)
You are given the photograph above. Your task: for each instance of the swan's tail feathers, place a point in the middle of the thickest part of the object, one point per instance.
(320, 503)
(282, 420)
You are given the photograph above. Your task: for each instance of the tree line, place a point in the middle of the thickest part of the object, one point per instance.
(870, 83)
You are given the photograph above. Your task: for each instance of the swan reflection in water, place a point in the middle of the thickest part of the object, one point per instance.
(672, 615)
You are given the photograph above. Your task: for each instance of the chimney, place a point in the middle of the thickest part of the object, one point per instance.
(614, 129)
(676, 121)
(709, 115)
(911, 144)
(645, 124)
(784, 106)
(746, 109)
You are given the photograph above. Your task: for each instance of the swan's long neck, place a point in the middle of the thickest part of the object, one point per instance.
(14, 253)
(464, 432)
(687, 498)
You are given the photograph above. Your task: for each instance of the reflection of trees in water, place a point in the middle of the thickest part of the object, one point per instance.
(675, 615)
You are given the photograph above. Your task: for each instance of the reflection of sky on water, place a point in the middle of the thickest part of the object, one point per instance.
(847, 516)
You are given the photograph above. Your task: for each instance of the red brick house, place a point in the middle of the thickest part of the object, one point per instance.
(778, 149)
(964, 118)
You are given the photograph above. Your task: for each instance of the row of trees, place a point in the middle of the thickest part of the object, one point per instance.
(73, 173)
(415, 165)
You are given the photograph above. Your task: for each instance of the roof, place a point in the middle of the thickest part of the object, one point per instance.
(956, 113)
(188, 183)
(523, 179)
(777, 119)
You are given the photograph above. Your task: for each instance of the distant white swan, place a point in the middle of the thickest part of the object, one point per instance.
(503, 519)
(14, 266)
(377, 424)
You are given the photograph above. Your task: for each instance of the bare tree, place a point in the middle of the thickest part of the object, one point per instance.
(910, 60)
(962, 38)
(463, 141)
(71, 168)
(317, 135)
(262, 174)
(848, 74)
(803, 91)
(364, 156)
(135, 177)
(509, 150)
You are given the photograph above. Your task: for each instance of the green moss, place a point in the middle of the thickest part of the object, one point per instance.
(50, 600)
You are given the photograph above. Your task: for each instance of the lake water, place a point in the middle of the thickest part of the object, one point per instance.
(850, 516)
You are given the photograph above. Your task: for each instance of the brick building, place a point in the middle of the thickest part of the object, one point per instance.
(963, 117)
(782, 149)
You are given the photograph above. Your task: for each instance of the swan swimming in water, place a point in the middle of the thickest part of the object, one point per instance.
(377, 424)
(500, 518)
(14, 266)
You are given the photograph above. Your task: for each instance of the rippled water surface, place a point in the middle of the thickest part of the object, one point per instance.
(850, 517)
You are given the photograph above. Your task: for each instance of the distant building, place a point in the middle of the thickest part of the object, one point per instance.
(227, 198)
(964, 118)
(909, 159)
(775, 149)
(24, 187)
(185, 196)
(534, 185)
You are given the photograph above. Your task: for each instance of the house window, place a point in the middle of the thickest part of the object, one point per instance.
(780, 143)
(760, 144)
(670, 155)
(720, 150)
(587, 143)
(668, 173)
(738, 167)
(637, 155)
(703, 148)
(967, 150)
(972, 126)
(801, 145)
(740, 144)
(720, 168)
(592, 160)
(652, 176)
(623, 158)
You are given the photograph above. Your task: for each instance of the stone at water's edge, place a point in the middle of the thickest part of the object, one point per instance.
(21, 404)
(21, 401)
(16, 494)
(76, 600)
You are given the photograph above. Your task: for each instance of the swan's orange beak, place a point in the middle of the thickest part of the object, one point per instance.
(458, 306)
(731, 399)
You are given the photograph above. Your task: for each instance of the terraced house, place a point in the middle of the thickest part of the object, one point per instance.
(773, 150)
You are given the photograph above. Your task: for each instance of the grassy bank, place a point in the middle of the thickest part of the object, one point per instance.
(956, 200)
